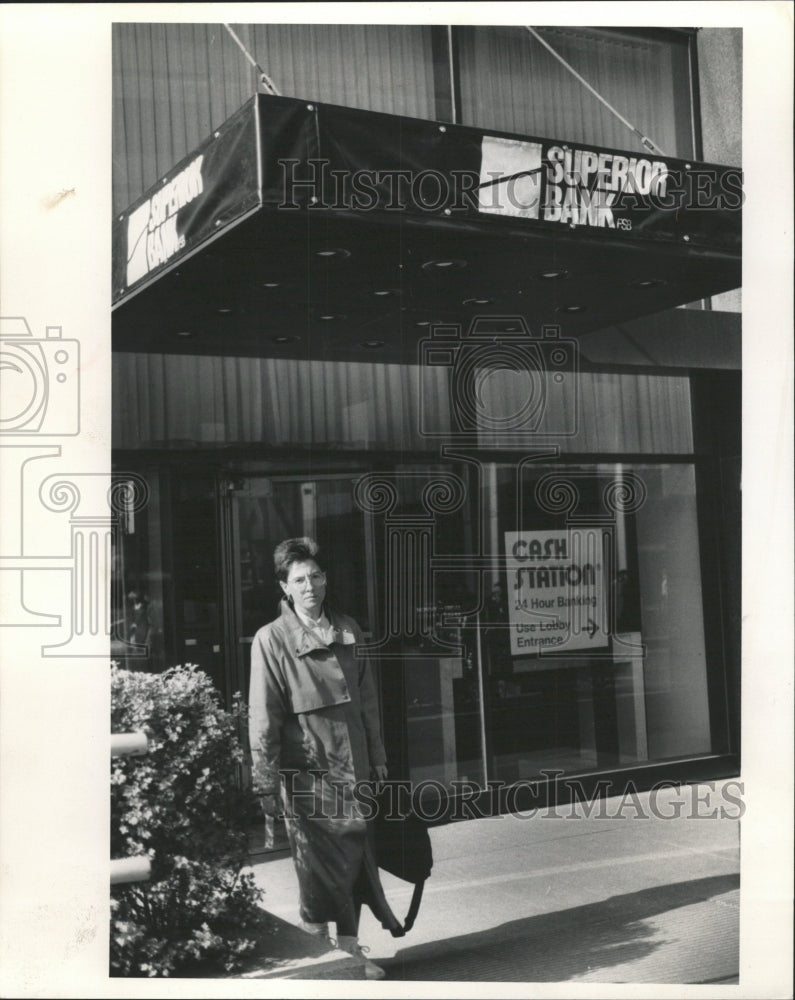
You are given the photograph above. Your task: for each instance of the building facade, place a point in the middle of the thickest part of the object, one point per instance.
(564, 600)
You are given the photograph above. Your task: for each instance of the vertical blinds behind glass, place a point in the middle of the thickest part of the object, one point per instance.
(174, 83)
(511, 83)
(162, 400)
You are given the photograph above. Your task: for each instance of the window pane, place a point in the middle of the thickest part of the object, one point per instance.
(595, 657)
(174, 83)
(268, 510)
(377, 67)
(380, 407)
(428, 660)
(511, 83)
(137, 593)
(670, 589)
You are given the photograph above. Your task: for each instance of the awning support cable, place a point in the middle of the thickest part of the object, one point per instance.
(265, 80)
(647, 142)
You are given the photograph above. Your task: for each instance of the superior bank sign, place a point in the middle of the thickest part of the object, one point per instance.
(558, 183)
(152, 234)
(211, 189)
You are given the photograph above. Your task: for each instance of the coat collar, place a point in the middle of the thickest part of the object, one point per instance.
(304, 640)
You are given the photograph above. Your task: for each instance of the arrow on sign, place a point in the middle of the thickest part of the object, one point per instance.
(592, 628)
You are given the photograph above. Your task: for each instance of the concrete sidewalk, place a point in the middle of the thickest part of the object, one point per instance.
(560, 896)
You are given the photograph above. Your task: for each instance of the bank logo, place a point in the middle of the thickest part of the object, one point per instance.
(152, 234)
(510, 177)
(571, 186)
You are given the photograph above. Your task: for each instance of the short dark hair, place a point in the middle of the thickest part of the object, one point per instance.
(293, 550)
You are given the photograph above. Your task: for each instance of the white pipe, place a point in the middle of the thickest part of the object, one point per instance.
(128, 744)
(130, 870)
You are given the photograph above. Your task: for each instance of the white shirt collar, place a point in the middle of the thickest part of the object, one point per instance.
(324, 630)
(321, 623)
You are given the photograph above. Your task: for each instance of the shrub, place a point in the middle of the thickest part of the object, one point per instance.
(181, 805)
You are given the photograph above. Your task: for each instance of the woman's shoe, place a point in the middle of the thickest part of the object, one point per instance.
(352, 946)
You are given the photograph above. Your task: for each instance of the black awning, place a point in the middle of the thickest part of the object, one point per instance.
(314, 231)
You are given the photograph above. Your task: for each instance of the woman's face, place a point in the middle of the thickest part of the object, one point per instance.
(306, 584)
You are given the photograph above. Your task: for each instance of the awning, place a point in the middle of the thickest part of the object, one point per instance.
(315, 231)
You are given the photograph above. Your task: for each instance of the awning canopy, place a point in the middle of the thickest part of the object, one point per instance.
(314, 231)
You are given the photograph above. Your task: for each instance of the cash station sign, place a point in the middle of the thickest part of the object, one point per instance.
(556, 590)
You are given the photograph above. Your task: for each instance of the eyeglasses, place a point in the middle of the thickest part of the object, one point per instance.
(316, 579)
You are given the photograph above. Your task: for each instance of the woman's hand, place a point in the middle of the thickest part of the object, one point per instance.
(380, 772)
(270, 804)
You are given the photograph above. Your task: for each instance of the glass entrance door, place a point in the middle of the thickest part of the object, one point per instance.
(262, 511)
(430, 694)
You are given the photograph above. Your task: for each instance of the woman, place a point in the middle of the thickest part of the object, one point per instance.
(314, 733)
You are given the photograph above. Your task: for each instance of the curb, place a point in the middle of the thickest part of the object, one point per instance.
(334, 965)
(289, 952)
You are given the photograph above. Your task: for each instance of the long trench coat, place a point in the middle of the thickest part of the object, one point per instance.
(314, 733)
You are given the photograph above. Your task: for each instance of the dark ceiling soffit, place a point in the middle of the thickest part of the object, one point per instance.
(674, 339)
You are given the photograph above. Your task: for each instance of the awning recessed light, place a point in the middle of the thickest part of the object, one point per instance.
(478, 302)
(224, 310)
(330, 317)
(574, 307)
(184, 333)
(553, 273)
(647, 283)
(384, 292)
(284, 338)
(451, 264)
(372, 344)
(270, 284)
(332, 252)
(423, 322)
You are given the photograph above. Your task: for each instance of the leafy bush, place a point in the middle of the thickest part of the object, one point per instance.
(181, 805)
